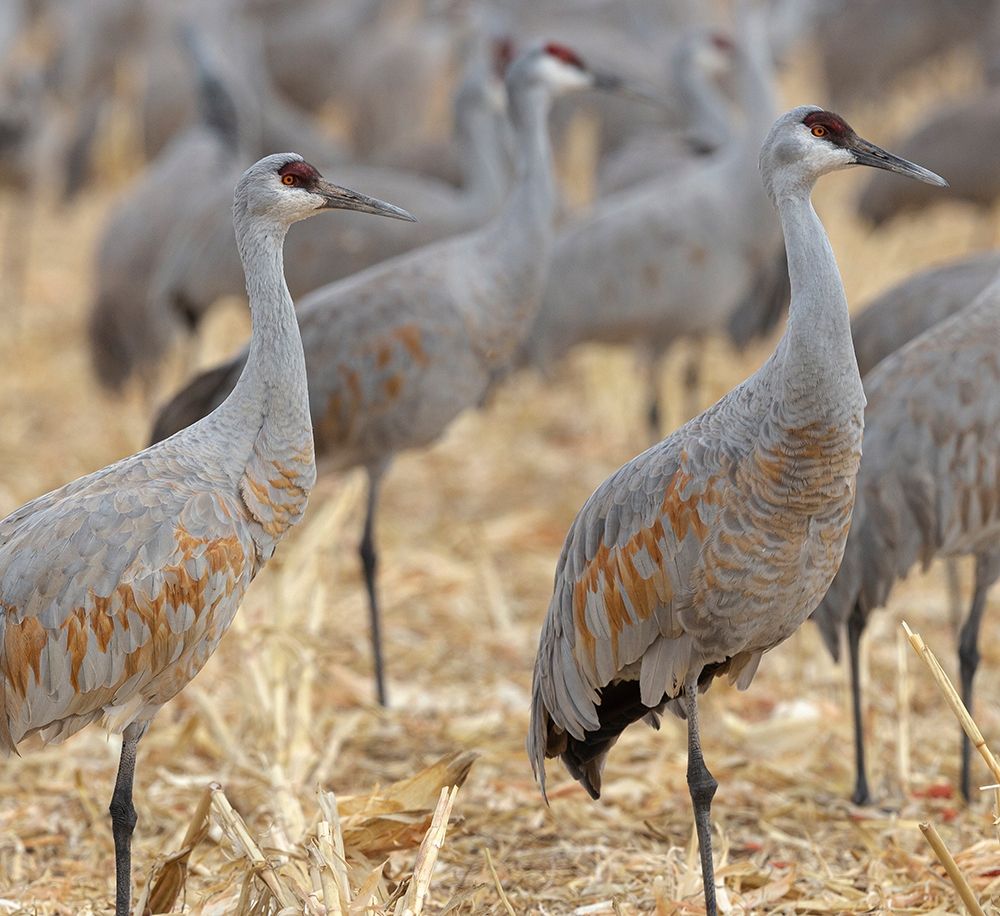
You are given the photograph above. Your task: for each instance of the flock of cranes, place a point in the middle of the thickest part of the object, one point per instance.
(691, 561)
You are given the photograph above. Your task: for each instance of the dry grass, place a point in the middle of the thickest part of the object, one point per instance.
(470, 533)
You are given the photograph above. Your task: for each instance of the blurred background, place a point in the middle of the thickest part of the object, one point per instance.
(124, 125)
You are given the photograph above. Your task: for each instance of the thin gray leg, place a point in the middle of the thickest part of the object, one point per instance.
(987, 570)
(369, 564)
(692, 378)
(955, 608)
(855, 627)
(702, 786)
(123, 818)
(649, 364)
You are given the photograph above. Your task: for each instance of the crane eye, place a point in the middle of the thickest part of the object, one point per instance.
(289, 180)
(819, 130)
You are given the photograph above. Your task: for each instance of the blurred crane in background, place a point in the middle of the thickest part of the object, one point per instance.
(198, 267)
(701, 58)
(929, 487)
(711, 548)
(675, 258)
(126, 335)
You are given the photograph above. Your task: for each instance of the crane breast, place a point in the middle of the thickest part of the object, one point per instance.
(121, 614)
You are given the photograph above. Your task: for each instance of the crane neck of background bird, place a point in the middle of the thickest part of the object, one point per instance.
(820, 372)
(534, 193)
(483, 148)
(704, 101)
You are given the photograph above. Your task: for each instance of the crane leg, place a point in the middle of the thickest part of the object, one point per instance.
(987, 571)
(649, 364)
(855, 627)
(123, 818)
(369, 564)
(954, 593)
(702, 786)
(692, 378)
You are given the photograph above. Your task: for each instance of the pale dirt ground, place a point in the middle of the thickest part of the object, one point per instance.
(470, 531)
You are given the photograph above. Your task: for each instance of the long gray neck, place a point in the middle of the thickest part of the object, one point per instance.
(482, 150)
(708, 113)
(522, 233)
(271, 394)
(818, 367)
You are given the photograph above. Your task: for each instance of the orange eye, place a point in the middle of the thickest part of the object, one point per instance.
(819, 130)
(289, 180)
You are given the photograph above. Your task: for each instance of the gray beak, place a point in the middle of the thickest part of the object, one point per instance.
(338, 198)
(866, 153)
(619, 85)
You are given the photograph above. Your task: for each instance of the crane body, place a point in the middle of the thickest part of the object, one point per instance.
(116, 588)
(710, 548)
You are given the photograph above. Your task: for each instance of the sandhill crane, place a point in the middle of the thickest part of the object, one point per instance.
(905, 311)
(701, 58)
(863, 45)
(116, 588)
(198, 266)
(710, 548)
(917, 303)
(672, 258)
(125, 334)
(169, 93)
(395, 353)
(928, 486)
(960, 140)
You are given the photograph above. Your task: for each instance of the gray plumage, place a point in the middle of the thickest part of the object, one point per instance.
(672, 259)
(958, 140)
(116, 588)
(396, 352)
(711, 547)
(929, 484)
(917, 303)
(198, 267)
(700, 58)
(126, 334)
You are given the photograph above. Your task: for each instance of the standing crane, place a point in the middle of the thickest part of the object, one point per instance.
(700, 59)
(710, 548)
(116, 588)
(929, 486)
(905, 311)
(674, 258)
(395, 353)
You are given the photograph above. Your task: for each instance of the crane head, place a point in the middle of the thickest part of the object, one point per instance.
(808, 141)
(285, 188)
(561, 70)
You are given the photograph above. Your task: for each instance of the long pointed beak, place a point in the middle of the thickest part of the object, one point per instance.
(338, 198)
(606, 81)
(866, 153)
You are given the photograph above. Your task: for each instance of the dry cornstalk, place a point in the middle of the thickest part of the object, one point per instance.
(239, 835)
(333, 896)
(957, 878)
(903, 714)
(168, 877)
(955, 702)
(413, 902)
(331, 839)
(497, 884)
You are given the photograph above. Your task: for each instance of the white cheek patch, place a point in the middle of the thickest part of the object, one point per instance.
(561, 76)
